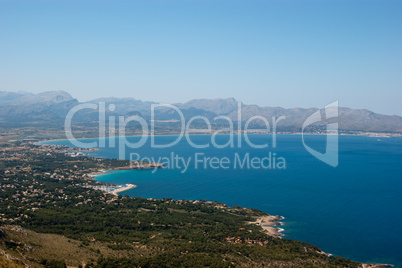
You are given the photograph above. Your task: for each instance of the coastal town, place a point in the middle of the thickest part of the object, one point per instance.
(28, 169)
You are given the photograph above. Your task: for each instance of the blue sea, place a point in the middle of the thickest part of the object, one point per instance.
(353, 210)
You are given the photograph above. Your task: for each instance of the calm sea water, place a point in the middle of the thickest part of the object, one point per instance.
(353, 210)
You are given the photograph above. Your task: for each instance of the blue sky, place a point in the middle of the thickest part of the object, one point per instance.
(271, 53)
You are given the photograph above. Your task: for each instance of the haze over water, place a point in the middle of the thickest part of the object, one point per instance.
(353, 210)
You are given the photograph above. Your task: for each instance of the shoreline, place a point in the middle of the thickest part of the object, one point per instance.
(364, 134)
(111, 188)
(129, 186)
(100, 172)
(268, 223)
(106, 187)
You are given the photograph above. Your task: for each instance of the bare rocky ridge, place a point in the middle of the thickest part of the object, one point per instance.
(216, 106)
(51, 107)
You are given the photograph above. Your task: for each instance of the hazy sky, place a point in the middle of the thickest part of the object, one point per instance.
(276, 53)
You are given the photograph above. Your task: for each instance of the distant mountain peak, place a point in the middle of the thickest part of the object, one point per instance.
(213, 100)
(126, 105)
(8, 96)
(52, 106)
(218, 106)
(55, 96)
(23, 98)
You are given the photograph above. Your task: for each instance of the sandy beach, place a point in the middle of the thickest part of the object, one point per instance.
(267, 223)
(123, 189)
(97, 173)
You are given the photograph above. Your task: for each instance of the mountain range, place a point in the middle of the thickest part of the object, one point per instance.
(51, 108)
